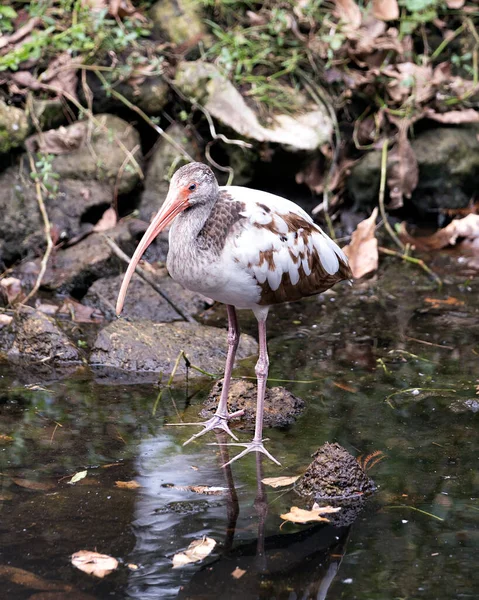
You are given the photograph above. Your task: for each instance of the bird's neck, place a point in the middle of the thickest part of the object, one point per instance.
(188, 224)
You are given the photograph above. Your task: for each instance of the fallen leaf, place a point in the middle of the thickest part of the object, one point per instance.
(128, 485)
(196, 551)
(38, 486)
(237, 573)
(5, 320)
(300, 515)
(386, 10)
(362, 251)
(455, 3)
(454, 117)
(403, 170)
(58, 141)
(79, 312)
(94, 563)
(345, 387)
(443, 302)
(349, 12)
(47, 309)
(30, 580)
(200, 489)
(19, 34)
(276, 482)
(468, 228)
(61, 74)
(12, 288)
(78, 477)
(5, 439)
(107, 221)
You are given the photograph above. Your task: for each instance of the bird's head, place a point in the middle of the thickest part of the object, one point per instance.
(191, 185)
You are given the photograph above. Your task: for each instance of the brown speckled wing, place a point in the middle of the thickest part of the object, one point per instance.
(223, 217)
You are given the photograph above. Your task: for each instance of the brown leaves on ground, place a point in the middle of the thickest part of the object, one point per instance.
(403, 170)
(58, 141)
(466, 229)
(276, 482)
(94, 563)
(11, 290)
(386, 10)
(80, 313)
(362, 251)
(300, 515)
(196, 551)
(349, 12)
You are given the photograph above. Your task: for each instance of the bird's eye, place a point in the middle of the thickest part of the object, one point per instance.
(192, 187)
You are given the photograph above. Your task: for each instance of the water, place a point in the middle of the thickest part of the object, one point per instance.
(368, 383)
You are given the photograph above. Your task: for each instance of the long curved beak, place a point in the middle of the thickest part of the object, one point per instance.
(173, 205)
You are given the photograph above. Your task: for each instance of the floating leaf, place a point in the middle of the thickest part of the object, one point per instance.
(276, 482)
(440, 302)
(237, 573)
(362, 251)
(78, 477)
(468, 227)
(128, 485)
(94, 563)
(300, 515)
(39, 486)
(196, 551)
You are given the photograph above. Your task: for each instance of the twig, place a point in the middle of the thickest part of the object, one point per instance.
(382, 189)
(423, 512)
(119, 176)
(47, 226)
(144, 275)
(413, 339)
(415, 261)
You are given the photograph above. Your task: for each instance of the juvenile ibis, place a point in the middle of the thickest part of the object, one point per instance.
(248, 249)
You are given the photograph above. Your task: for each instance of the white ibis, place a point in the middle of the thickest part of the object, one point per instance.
(247, 249)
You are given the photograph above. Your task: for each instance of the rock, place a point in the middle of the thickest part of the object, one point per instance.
(36, 337)
(72, 270)
(14, 127)
(142, 301)
(281, 408)
(70, 211)
(307, 130)
(102, 159)
(179, 21)
(334, 473)
(143, 349)
(448, 159)
(469, 405)
(161, 164)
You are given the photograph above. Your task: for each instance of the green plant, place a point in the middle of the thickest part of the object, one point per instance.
(7, 15)
(45, 174)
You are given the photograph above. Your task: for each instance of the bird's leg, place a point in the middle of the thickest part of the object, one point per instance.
(221, 417)
(261, 369)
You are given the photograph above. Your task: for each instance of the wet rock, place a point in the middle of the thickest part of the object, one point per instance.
(469, 405)
(281, 409)
(143, 349)
(307, 130)
(100, 157)
(142, 301)
(21, 226)
(334, 473)
(14, 127)
(447, 175)
(179, 21)
(72, 270)
(161, 164)
(36, 337)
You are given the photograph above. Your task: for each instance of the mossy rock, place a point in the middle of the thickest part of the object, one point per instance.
(14, 127)
(180, 21)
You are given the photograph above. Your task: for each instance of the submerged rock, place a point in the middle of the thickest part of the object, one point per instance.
(143, 349)
(142, 301)
(307, 130)
(14, 127)
(334, 473)
(281, 408)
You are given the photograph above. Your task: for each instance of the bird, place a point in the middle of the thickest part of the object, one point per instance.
(245, 248)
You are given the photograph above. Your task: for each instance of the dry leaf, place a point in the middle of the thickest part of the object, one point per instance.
(403, 170)
(30, 580)
(78, 477)
(455, 3)
(386, 10)
(349, 12)
(58, 141)
(47, 309)
(200, 489)
(62, 74)
(12, 288)
(237, 573)
(196, 551)
(276, 482)
(441, 303)
(4, 438)
(19, 34)
(362, 251)
(300, 515)
(94, 563)
(80, 313)
(454, 117)
(128, 485)
(5, 320)
(38, 486)
(107, 221)
(468, 228)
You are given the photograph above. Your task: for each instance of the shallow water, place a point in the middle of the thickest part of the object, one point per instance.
(368, 383)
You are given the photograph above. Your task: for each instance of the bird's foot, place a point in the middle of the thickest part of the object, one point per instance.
(253, 446)
(217, 421)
